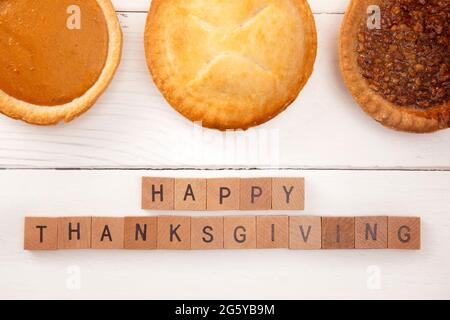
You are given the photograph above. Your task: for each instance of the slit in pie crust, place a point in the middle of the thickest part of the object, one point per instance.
(399, 71)
(230, 64)
(52, 68)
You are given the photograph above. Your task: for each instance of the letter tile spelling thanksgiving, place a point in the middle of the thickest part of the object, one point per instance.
(229, 232)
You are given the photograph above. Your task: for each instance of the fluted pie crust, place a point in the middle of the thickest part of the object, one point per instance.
(389, 114)
(52, 114)
(230, 64)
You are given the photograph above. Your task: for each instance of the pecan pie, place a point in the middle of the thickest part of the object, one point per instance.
(230, 64)
(395, 58)
(56, 57)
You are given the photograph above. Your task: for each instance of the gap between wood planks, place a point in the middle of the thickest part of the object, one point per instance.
(145, 12)
(125, 168)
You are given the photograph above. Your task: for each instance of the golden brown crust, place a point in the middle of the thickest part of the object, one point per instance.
(48, 115)
(383, 111)
(240, 85)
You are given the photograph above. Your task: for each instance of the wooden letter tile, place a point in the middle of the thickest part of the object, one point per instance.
(272, 232)
(206, 233)
(305, 233)
(174, 233)
(338, 232)
(371, 232)
(223, 194)
(41, 233)
(240, 232)
(141, 233)
(288, 193)
(256, 194)
(404, 233)
(158, 193)
(107, 233)
(190, 194)
(74, 232)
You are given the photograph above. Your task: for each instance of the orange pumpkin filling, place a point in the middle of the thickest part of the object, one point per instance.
(51, 52)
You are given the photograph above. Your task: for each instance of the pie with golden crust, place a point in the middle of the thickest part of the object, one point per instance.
(395, 59)
(56, 57)
(230, 64)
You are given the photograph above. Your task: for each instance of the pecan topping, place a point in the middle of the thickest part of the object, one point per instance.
(407, 61)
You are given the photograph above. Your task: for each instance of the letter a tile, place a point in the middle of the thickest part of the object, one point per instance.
(190, 194)
(107, 233)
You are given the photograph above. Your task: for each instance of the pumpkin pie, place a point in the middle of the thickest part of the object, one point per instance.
(230, 64)
(56, 57)
(395, 59)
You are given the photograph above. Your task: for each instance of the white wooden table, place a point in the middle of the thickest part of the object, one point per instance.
(353, 166)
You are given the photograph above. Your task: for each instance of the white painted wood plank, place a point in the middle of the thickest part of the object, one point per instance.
(318, 6)
(225, 274)
(132, 126)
